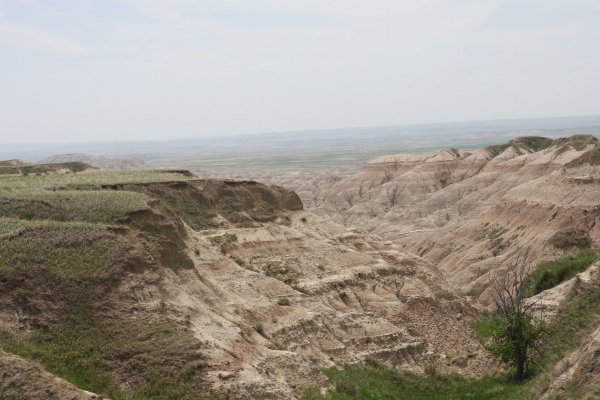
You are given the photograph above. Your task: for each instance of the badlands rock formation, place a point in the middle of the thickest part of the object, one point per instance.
(474, 213)
(229, 287)
(278, 300)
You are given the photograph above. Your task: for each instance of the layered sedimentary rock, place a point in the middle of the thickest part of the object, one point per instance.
(473, 213)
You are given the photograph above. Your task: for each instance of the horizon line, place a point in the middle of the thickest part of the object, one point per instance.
(312, 130)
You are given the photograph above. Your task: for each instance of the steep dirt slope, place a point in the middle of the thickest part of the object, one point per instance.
(73, 297)
(578, 377)
(471, 213)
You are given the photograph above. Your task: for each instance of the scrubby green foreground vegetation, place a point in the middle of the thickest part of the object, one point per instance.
(78, 328)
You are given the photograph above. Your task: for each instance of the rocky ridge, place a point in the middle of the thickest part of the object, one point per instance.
(473, 213)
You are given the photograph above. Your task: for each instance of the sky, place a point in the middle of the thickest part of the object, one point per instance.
(83, 70)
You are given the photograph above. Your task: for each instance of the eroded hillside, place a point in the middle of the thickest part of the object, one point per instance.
(472, 213)
(155, 284)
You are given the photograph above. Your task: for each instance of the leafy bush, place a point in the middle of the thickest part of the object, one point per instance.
(515, 334)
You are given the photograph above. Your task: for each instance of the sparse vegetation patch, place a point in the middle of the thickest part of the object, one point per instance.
(591, 157)
(225, 242)
(571, 238)
(527, 143)
(284, 301)
(382, 383)
(552, 273)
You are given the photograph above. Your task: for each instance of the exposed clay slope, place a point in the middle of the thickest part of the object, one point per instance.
(577, 377)
(307, 289)
(470, 213)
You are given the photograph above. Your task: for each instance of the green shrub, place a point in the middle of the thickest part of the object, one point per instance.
(284, 301)
(516, 334)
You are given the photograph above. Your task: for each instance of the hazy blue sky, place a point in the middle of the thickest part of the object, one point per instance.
(149, 69)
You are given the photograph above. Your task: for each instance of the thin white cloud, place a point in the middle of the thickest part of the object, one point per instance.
(34, 38)
(35, 3)
(224, 66)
